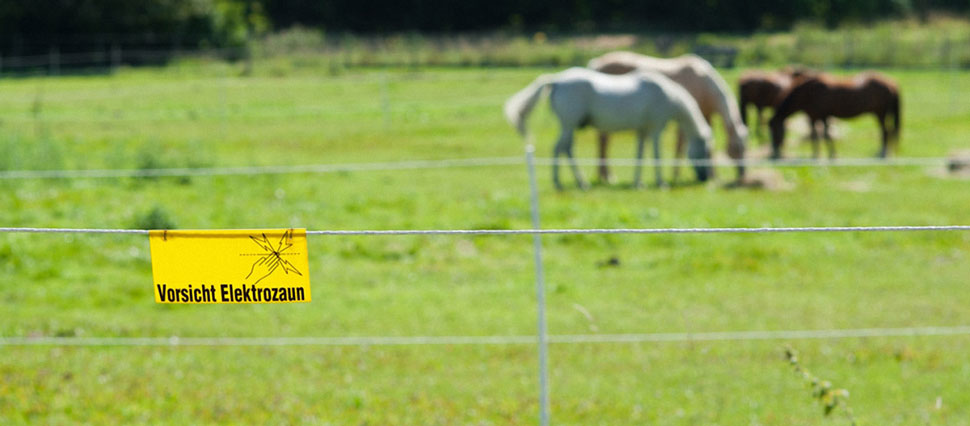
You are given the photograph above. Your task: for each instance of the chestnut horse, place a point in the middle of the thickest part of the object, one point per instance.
(766, 89)
(823, 96)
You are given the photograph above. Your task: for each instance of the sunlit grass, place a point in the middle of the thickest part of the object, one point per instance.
(100, 285)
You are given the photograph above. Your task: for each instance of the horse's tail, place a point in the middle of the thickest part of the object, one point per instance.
(520, 105)
(895, 108)
(742, 105)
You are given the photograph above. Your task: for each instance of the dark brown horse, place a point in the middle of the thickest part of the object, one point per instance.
(766, 89)
(824, 96)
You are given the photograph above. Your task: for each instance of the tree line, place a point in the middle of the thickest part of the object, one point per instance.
(35, 27)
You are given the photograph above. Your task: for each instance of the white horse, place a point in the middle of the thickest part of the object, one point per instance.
(643, 101)
(701, 80)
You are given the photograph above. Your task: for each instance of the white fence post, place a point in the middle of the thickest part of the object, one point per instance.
(542, 332)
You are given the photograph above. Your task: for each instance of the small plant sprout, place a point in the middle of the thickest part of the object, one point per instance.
(822, 389)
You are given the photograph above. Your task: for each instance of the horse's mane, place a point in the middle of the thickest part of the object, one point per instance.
(852, 82)
(621, 62)
(871, 76)
(789, 103)
(728, 108)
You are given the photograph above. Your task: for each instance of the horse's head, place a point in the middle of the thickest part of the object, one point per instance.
(699, 152)
(737, 144)
(796, 99)
(799, 73)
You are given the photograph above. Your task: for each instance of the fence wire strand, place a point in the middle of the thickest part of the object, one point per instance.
(455, 163)
(566, 231)
(755, 335)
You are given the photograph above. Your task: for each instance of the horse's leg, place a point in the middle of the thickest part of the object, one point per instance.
(656, 156)
(678, 153)
(556, 150)
(813, 135)
(604, 169)
(759, 128)
(638, 167)
(568, 149)
(828, 138)
(885, 135)
(712, 173)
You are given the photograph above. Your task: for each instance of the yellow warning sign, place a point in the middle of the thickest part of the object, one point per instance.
(232, 266)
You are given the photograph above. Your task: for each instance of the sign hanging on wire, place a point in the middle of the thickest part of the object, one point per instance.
(230, 266)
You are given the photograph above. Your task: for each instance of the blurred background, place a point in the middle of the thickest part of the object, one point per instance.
(56, 34)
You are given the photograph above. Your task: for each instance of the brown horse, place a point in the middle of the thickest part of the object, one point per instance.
(824, 96)
(766, 89)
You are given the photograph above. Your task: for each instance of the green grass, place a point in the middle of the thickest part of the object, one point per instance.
(200, 116)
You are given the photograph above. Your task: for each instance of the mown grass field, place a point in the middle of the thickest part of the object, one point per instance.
(205, 115)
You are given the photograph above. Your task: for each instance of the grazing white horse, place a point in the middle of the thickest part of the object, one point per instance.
(701, 80)
(643, 101)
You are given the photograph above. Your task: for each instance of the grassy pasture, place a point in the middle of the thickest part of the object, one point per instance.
(202, 114)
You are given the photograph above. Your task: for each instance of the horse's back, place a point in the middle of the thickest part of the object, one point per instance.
(581, 96)
(694, 73)
(868, 85)
(586, 83)
(622, 62)
(826, 95)
(619, 62)
(763, 89)
(878, 82)
(757, 78)
(614, 102)
(632, 101)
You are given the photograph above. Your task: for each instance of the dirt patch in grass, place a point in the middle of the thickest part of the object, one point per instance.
(763, 179)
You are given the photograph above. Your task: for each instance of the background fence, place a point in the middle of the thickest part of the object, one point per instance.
(898, 45)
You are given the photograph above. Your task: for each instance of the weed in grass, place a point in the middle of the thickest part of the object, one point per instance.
(149, 160)
(156, 218)
(822, 389)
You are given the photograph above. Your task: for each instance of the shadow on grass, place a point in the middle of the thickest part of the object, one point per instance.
(599, 185)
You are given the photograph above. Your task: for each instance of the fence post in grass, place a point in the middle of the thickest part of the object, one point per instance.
(543, 340)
